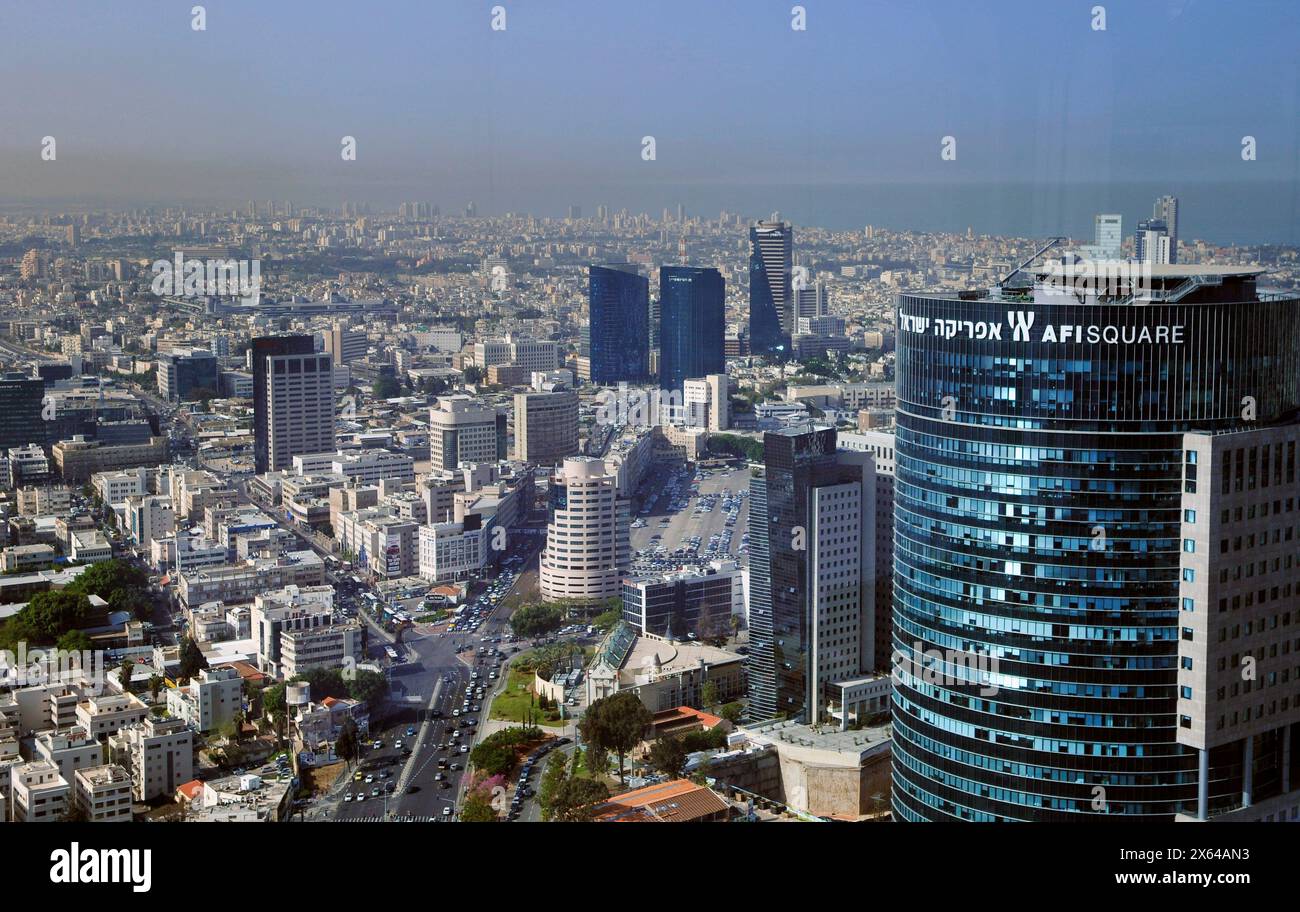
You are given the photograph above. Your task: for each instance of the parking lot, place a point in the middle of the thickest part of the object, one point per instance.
(689, 519)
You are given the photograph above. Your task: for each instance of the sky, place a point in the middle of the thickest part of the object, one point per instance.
(552, 110)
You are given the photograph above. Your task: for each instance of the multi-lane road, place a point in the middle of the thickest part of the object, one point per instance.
(438, 667)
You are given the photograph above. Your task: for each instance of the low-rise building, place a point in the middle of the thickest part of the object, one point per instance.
(210, 699)
(102, 794)
(159, 754)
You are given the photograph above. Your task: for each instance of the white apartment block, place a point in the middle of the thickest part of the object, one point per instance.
(159, 754)
(103, 793)
(209, 700)
(292, 608)
(90, 546)
(37, 793)
(69, 750)
(237, 583)
(330, 646)
(102, 715)
(149, 517)
(116, 487)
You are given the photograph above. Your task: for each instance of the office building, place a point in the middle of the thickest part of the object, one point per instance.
(684, 605)
(587, 540)
(20, 412)
(1108, 236)
(618, 319)
(293, 400)
(707, 402)
(1152, 242)
(771, 310)
(546, 426)
(185, 373)
(463, 430)
(812, 573)
(345, 345)
(692, 324)
(1091, 532)
(1166, 210)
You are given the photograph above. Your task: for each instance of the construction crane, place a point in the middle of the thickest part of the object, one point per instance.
(1051, 242)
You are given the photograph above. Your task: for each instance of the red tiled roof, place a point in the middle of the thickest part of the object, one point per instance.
(675, 801)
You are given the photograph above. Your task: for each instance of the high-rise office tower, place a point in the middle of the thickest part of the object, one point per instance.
(293, 400)
(1152, 242)
(21, 406)
(810, 300)
(618, 321)
(1108, 235)
(1095, 509)
(464, 430)
(546, 426)
(587, 541)
(771, 317)
(811, 572)
(1166, 210)
(692, 324)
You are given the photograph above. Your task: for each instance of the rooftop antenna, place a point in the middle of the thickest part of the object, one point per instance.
(1051, 242)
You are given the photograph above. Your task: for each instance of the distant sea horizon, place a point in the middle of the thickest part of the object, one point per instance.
(1244, 213)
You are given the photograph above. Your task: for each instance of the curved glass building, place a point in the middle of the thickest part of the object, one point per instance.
(1039, 511)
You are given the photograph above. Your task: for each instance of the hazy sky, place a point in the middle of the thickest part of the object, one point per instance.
(552, 110)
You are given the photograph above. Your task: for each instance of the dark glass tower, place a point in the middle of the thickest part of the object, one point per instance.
(783, 524)
(692, 324)
(619, 324)
(20, 411)
(771, 298)
(1040, 471)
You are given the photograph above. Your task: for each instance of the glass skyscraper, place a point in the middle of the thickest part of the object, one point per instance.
(771, 297)
(692, 324)
(1040, 523)
(619, 324)
(805, 503)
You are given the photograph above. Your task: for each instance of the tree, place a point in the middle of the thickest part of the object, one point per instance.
(155, 686)
(731, 711)
(616, 723)
(126, 671)
(472, 374)
(577, 799)
(348, 746)
(668, 755)
(192, 659)
(386, 388)
(537, 620)
(237, 723)
(552, 780)
(74, 641)
(478, 808)
(709, 695)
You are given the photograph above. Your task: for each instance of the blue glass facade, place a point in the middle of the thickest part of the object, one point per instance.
(770, 293)
(1024, 428)
(692, 324)
(619, 324)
